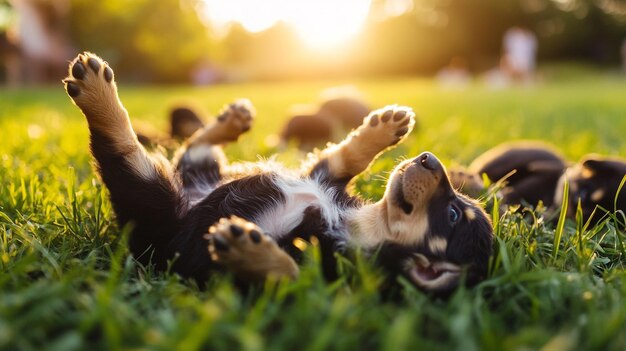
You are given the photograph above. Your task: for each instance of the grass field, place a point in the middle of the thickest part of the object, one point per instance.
(67, 281)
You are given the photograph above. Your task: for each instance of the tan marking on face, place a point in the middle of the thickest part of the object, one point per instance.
(373, 224)
(418, 186)
(470, 214)
(438, 245)
(597, 195)
(586, 173)
(408, 229)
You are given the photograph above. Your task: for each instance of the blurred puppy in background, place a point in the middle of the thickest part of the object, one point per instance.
(341, 109)
(534, 172)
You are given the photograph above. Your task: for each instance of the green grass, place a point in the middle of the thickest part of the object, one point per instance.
(67, 281)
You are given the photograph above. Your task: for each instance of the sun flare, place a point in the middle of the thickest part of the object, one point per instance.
(320, 24)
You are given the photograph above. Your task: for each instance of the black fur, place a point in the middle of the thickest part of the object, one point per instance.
(171, 210)
(205, 171)
(184, 121)
(152, 207)
(532, 172)
(595, 175)
(538, 172)
(467, 240)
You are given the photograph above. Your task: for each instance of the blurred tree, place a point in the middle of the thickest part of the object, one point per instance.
(434, 31)
(147, 40)
(165, 40)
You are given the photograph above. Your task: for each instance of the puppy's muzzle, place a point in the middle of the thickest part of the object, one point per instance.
(428, 161)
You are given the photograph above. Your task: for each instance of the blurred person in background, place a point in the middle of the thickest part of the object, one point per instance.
(520, 54)
(39, 43)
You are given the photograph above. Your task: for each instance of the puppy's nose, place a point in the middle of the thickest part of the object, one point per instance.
(428, 161)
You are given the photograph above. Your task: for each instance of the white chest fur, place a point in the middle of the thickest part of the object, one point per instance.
(299, 194)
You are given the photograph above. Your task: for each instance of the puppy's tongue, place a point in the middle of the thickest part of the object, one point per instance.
(427, 270)
(427, 273)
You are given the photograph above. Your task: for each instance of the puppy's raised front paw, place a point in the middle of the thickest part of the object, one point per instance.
(90, 84)
(235, 119)
(389, 124)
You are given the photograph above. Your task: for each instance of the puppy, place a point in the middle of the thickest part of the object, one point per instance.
(184, 121)
(530, 172)
(534, 172)
(594, 182)
(335, 116)
(202, 215)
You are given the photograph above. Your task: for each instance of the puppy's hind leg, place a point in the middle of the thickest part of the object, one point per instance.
(381, 130)
(234, 120)
(201, 160)
(243, 249)
(143, 189)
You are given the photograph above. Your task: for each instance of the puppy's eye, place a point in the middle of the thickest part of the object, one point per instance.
(453, 214)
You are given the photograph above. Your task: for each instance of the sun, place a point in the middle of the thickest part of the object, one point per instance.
(321, 24)
(326, 23)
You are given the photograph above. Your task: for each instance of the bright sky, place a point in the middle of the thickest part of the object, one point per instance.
(319, 23)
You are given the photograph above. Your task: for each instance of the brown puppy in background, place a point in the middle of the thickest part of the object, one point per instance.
(339, 112)
(309, 127)
(533, 172)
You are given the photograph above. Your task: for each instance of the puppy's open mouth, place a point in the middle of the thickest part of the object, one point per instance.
(433, 274)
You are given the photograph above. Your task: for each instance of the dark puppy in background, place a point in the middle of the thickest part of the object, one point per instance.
(184, 121)
(533, 172)
(594, 181)
(202, 215)
(530, 172)
(339, 111)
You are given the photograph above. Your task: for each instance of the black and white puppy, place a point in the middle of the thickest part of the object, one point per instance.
(202, 215)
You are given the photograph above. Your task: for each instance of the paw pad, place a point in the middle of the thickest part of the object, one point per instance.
(108, 74)
(93, 64)
(242, 248)
(389, 124)
(72, 89)
(78, 70)
(84, 75)
(236, 119)
(255, 236)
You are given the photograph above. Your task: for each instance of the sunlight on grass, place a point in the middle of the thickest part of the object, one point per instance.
(68, 282)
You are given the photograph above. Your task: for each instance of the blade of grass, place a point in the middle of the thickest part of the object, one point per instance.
(558, 233)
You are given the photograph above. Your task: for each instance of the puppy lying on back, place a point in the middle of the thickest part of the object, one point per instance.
(534, 172)
(203, 215)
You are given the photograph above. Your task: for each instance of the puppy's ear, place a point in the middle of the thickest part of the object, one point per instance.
(597, 163)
